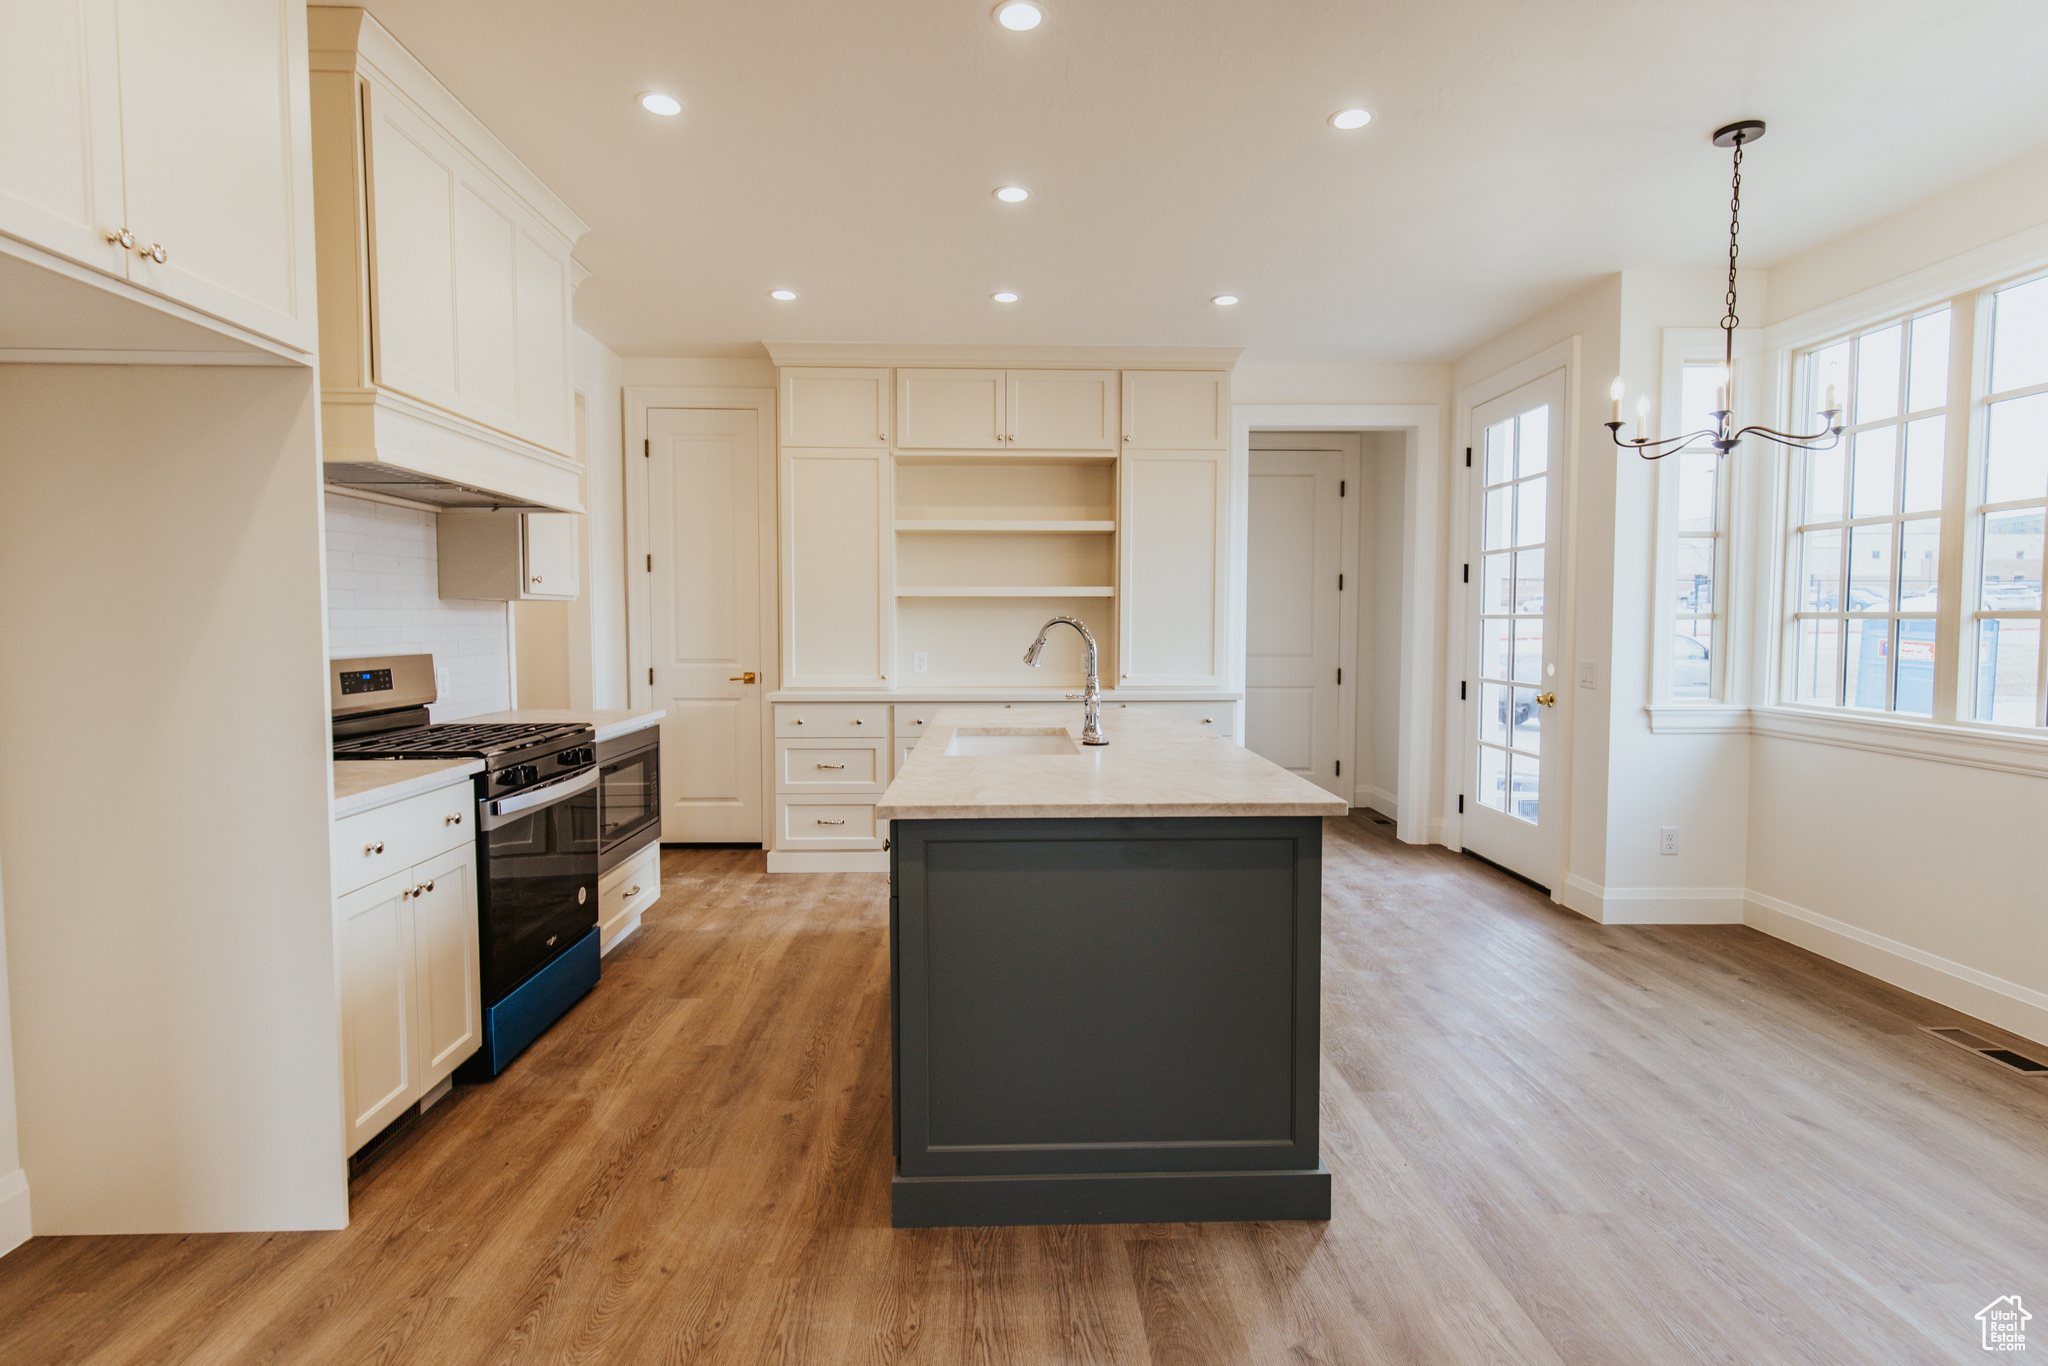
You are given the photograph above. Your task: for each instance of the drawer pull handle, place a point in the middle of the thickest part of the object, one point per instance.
(376, 848)
(831, 822)
(857, 721)
(633, 891)
(455, 819)
(796, 723)
(831, 765)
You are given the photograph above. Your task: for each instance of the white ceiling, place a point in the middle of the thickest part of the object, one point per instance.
(1180, 150)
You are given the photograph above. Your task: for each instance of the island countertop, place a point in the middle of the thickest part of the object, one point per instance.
(1155, 764)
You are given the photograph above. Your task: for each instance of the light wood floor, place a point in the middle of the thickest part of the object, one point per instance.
(1552, 1142)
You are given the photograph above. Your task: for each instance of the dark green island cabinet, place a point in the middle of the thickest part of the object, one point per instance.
(1105, 1010)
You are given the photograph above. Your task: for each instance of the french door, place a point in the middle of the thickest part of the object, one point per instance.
(1512, 786)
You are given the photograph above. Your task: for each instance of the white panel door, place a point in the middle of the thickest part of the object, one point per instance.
(380, 1058)
(951, 410)
(1512, 785)
(60, 164)
(1062, 410)
(1294, 623)
(838, 569)
(703, 510)
(843, 409)
(449, 1020)
(212, 158)
(1176, 409)
(1170, 591)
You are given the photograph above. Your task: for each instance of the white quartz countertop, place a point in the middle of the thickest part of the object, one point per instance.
(608, 723)
(1156, 764)
(360, 784)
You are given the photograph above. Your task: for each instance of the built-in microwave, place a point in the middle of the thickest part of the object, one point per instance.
(628, 795)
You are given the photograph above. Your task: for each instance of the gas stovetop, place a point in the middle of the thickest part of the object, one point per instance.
(459, 740)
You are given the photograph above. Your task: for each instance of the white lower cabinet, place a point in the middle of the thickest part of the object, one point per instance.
(410, 1005)
(624, 892)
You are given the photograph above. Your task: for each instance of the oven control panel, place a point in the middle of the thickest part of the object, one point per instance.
(365, 680)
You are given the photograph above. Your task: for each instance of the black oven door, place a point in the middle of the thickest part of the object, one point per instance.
(629, 795)
(537, 888)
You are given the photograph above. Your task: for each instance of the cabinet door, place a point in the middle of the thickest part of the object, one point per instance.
(1176, 409)
(448, 1018)
(412, 177)
(951, 410)
(838, 569)
(60, 165)
(215, 158)
(1063, 410)
(551, 567)
(845, 409)
(545, 384)
(1173, 520)
(380, 1062)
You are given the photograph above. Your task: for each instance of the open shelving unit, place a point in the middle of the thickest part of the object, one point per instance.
(988, 547)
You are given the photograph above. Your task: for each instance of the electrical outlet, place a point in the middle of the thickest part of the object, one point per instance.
(1585, 673)
(1667, 840)
(441, 680)
(918, 661)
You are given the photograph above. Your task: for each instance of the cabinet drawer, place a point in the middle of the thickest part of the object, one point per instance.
(823, 766)
(910, 720)
(1220, 717)
(831, 720)
(379, 842)
(822, 823)
(626, 891)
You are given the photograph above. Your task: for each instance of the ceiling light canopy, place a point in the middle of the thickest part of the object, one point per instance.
(1019, 15)
(1224, 300)
(1004, 296)
(1351, 118)
(1013, 194)
(783, 294)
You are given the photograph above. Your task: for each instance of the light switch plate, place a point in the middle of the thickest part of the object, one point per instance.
(1586, 673)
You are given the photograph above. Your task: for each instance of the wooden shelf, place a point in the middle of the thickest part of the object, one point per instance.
(1024, 525)
(1070, 592)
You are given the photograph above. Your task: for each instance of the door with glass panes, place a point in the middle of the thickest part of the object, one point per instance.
(1512, 789)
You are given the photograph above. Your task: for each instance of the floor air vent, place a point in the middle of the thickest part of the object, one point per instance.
(2004, 1057)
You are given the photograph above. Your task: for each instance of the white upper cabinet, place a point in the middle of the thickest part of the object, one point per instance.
(841, 409)
(169, 149)
(1176, 409)
(551, 562)
(445, 279)
(951, 410)
(838, 569)
(1062, 410)
(1172, 519)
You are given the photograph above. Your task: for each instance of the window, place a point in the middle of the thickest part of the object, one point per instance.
(1697, 560)
(2005, 629)
(1865, 554)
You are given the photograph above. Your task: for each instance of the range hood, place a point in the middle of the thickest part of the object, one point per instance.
(394, 482)
(383, 442)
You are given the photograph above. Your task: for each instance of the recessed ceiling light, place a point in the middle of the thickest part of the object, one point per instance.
(783, 294)
(1225, 300)
(1004, 297)
(1351, 118)
(1013, 194)
(1019, 15)
(654, 102)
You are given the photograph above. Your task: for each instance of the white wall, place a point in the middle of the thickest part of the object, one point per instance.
(14, 1209)
(164, 781)
(1262, 381)
(597, 622)
(383, 599)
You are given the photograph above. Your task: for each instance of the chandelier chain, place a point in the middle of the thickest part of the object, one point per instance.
(1731, 321)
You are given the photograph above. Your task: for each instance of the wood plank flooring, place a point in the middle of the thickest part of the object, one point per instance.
(1553, 1142)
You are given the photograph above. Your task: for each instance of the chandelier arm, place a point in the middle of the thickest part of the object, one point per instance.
(1670, 444)
(1824, 440)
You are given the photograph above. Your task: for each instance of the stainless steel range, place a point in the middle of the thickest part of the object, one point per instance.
(538, 840)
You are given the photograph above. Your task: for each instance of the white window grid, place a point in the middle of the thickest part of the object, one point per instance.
(1696, 581)
(2007, 635)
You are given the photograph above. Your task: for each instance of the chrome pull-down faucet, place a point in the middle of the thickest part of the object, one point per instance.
(1091, 692)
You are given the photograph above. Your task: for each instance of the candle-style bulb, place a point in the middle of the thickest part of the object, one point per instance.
(1642, 416)
(1615, 391)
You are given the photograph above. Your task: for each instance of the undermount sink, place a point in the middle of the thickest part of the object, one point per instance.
(985, 742)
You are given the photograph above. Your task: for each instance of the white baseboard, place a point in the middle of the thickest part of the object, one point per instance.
(1579, 895)
(1379, 799)
(826, 861)
(2008, 1005)
(14, 1224)
(1652, 905)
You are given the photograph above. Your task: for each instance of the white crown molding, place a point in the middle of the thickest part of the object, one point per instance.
(880, 354)
(350, 39)
(1978, 268)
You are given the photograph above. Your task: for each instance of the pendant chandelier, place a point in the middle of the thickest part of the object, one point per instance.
(1720, 436)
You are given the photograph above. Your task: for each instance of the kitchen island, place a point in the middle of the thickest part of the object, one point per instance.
(1105, 970)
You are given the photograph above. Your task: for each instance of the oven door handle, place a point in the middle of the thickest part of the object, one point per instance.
(498, 810)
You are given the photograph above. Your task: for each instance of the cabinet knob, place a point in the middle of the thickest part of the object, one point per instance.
(536, 580)
(857, 721)
(155, 252)
(796, 723)
(455, 819)
(122, 238)
(376, 848)
(430, 884)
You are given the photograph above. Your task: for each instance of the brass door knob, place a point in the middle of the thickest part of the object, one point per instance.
(1546, 699)
(746, 677)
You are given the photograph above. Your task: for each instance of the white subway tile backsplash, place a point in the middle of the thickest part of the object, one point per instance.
(383, 598)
